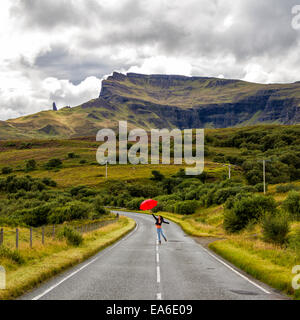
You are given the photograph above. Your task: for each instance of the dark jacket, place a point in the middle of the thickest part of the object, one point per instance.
(161, 220)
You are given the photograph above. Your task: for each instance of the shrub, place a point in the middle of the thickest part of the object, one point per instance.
(53, 163)
(72, 155)
(74, 210)
(143, 190)
(72, 236)
(247, 209)
(49, 182)
(260, 187)
(7, 170)
(13, 255)
(157, 176)
(98, 204)
(275, 228)
(82, 191)
(82, 161)
(135, 203)
(13, 184)
(232, 223)
(292, 204)
(30, 165)
(186, 207)
(35, 217)
(283, 188)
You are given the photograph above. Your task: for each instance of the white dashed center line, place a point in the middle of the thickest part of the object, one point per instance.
(158, 274)
(158, 295)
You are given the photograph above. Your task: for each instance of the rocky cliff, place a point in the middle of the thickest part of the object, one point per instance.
(187, 102)
(165, 101)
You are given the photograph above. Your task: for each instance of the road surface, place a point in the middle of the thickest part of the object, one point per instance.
(137, 268)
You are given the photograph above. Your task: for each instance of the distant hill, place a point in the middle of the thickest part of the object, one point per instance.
(164, 101)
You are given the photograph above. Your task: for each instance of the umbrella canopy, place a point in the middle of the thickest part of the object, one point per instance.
(148, 204)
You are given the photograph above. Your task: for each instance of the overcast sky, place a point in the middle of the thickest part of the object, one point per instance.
(60, 50)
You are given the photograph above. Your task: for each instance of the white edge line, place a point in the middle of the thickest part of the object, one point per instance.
(83, 267)
(238, 273)
(157, 257)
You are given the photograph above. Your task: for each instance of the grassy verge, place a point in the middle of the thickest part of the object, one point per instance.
(42, 263)
(265, 262)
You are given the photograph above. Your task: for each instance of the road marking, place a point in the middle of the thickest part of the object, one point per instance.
(83, 267)
(157, 257)
(158, 296)
(238, 273)
(158, 274)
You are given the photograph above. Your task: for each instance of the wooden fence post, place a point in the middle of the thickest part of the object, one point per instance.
(17, 238)
(43, 235)
(1, 236)
(30, 238)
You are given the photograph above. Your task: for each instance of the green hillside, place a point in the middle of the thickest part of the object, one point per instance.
(161, 101)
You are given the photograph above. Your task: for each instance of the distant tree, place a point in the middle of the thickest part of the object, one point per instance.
(157, 176)
(53, 163)
(30, 165)
(7, 170)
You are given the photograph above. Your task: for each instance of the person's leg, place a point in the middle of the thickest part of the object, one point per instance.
(162, 233)
(158, 234)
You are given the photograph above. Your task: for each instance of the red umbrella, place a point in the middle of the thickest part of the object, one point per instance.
(148, 204)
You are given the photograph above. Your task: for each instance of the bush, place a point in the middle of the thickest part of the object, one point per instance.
(135, 203)
(98, 204)
(13, 255)
(247, 209)
(72, 155)
(53, 163)
(232, 223)
(292, 204)
(260, 187)
(74, 210)
(49, 182)
(275, 228)
(283, 188)
(157, 176)
(82, 161)
(35, 217)
(13, 184)
(72, 236)
(7, 170)
(82, 191)
(186, 207)
(30, 165)
(143, 190)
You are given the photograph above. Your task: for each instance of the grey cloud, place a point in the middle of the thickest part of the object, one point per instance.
(192, 31)
(260, 27)
(62, 63)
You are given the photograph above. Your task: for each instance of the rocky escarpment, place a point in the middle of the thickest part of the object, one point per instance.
(187, 102)
(164, 101)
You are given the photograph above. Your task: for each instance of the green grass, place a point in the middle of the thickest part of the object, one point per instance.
(267, 263)
(46, 261)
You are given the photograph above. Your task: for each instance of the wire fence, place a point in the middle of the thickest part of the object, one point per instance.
(31, 237)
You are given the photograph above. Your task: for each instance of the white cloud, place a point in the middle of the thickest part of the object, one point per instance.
(163, 65)
(59, 50)
(63, 92)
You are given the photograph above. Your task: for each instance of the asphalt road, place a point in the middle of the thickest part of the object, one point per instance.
(137, 268)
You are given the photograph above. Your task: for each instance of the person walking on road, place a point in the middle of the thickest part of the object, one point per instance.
(158, 222)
